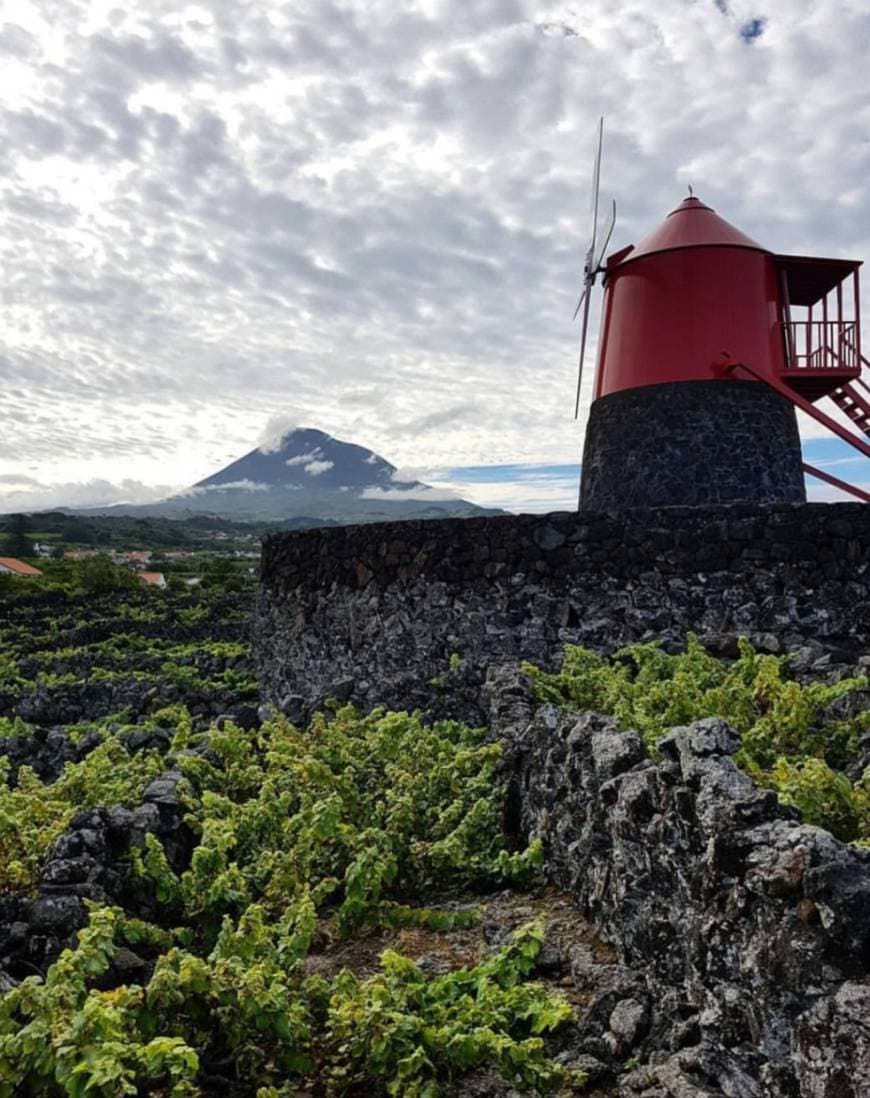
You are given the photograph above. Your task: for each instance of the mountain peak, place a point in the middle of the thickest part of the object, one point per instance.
(307, 459)
(295, 436)
(308, 478)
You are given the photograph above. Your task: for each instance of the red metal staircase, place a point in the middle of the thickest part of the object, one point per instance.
(850, 400)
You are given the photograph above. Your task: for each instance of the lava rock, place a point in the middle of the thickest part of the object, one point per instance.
(728, 916)
(497, 590)
(628, 1021)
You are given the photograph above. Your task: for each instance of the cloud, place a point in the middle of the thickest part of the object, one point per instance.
(315, 468)
(421, 492)
(244, 485)
(275, 431)
(452, 416)
(559, 29)
(303, 459)
(408, 474)
(518, 488)
(374, 217)
(27, 494)
(16, 481)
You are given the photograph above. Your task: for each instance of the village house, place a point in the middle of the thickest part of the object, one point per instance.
(138, 558)
(152, 579)
(10, 566)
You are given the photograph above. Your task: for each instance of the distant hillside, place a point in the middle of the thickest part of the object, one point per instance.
(309, 478)
(74, 529)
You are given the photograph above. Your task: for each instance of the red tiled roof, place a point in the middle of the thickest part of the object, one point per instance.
(19, 567)
(153, 579)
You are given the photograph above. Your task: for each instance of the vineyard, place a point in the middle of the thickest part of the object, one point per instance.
(807, 740)
(199, 898)
(264, 910)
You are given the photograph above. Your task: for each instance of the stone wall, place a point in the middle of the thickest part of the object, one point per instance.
(691, 443)
(743, 936)
(411, 614)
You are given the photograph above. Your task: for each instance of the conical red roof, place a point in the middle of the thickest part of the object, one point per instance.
(692, 225)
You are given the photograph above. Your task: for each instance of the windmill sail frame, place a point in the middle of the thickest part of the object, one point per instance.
(592, 264)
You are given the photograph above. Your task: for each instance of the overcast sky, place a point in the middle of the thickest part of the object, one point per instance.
(369, 216)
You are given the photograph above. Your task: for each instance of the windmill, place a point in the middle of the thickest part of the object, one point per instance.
(709, 342)
(592, 266)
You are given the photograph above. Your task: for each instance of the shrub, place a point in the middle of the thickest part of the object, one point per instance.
(788, 743)
(99, 575)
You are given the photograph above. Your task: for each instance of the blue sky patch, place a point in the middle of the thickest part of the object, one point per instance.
(752, 29)
(501, 474)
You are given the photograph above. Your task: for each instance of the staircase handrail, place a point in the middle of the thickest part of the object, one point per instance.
(860, 380)
(864, 361)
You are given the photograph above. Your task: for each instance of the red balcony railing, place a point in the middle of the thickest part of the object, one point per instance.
(821, 345)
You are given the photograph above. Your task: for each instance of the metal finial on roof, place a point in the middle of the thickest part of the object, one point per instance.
(691, 192)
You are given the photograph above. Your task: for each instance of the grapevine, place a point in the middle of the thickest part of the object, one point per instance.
(789, 742)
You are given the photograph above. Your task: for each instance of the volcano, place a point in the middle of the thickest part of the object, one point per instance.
(309, 478)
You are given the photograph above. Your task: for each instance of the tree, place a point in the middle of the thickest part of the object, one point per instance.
(17, 541)
(221, 575)
(98, 575)
(79, 532)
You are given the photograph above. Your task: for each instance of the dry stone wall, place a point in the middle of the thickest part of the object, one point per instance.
(743, 935)
(411, 614)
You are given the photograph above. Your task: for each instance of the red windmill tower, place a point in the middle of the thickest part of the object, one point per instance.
(708, 343)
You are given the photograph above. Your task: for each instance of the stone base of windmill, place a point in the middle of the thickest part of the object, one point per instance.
(691, 443)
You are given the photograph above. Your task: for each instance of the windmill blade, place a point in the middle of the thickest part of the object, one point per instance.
(580, 302)
(592, 265)
(582, 351)
(596, 179)
(607, 238)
